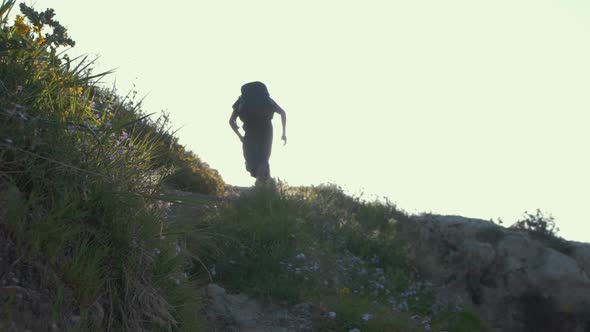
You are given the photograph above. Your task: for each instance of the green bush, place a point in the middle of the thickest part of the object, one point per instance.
(192, 174)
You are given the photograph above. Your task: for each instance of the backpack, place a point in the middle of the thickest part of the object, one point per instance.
(254, 104)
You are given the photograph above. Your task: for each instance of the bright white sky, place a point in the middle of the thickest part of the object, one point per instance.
(476, 108)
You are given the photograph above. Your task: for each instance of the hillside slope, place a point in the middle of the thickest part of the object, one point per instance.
(100, 230)
(366, 265)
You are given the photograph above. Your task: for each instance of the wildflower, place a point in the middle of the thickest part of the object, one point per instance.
(344, 291)
(71, 129)
(40, 40)
(37, 29)
(124, 135)
(300, 256)
(366, 317)
(331, 314)
(21, 27)
(75, 91)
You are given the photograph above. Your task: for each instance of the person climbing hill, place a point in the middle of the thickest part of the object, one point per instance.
(256, 109)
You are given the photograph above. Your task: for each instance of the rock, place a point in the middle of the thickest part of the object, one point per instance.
(581, 252)
(238, 312)
(515, 281)
(476, 256)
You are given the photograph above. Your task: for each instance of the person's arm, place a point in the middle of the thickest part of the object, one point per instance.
(234, 126)
(283, 122)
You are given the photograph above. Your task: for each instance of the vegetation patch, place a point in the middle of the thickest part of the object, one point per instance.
(318, 245)
(542, 227)
(80, 175)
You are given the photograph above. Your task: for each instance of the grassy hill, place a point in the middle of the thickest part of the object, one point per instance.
(108, 223)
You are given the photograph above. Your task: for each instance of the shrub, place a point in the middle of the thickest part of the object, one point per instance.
(538, 223)
(543, 228)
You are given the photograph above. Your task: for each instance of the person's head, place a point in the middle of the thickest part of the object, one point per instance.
(255, 90)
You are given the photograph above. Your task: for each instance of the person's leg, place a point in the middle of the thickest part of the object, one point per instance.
(262, 173)
(249, 150)
(265, 151)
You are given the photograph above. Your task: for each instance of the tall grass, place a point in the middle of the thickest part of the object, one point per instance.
(80, 167)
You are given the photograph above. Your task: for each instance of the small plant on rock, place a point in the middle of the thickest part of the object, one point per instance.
(538, 223)
(543, 228)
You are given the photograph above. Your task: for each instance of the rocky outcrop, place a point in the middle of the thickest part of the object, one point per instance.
(238, 312)
(517, 282)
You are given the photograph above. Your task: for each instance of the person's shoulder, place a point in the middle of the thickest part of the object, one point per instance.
(274, 104)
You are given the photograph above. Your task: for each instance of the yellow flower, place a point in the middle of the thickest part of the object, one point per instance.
(344, 291)
(19, 20)
(21, 27)
(37, 29)
(40, 40)
(76, 90)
